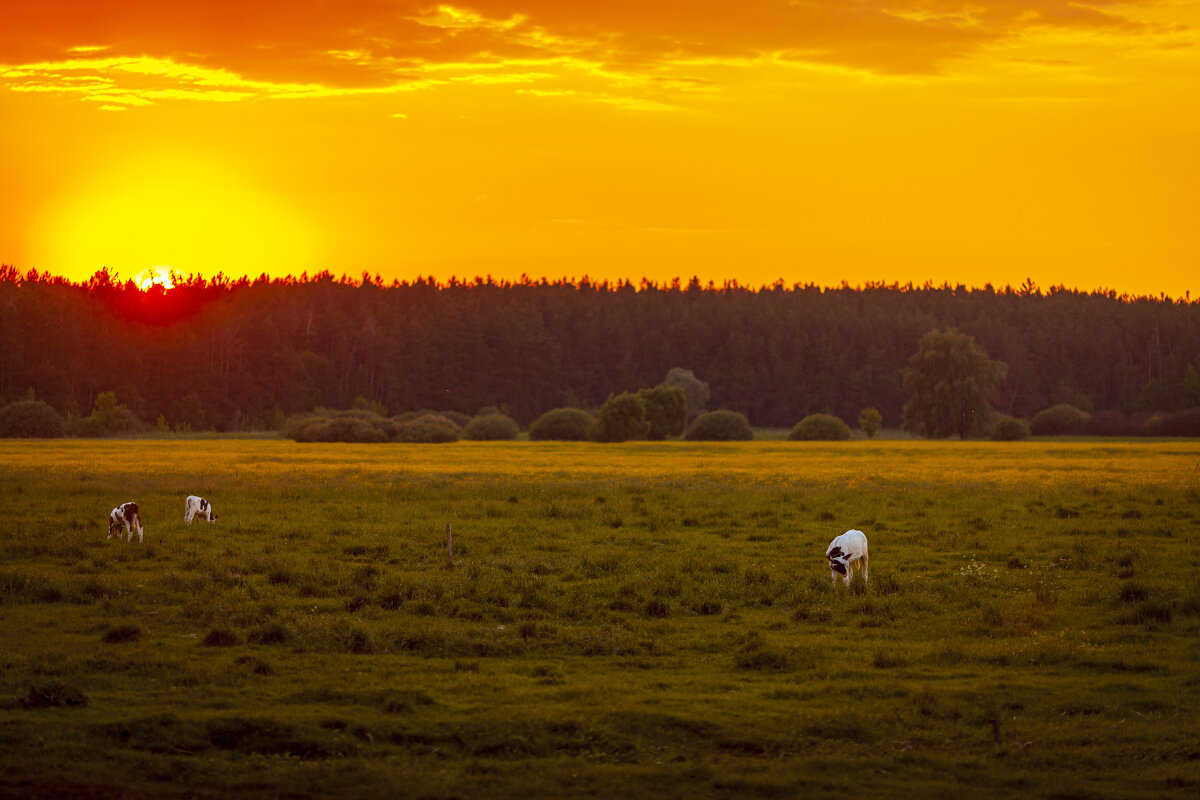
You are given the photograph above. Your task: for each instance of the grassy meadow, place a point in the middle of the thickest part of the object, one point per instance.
(653, 620)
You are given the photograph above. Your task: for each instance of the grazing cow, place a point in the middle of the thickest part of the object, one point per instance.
(125, 514)
(845, 550)
(197, 505)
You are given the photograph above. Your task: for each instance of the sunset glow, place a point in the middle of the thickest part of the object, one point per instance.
(825, 141)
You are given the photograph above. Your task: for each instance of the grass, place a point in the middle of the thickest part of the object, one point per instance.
(650, 619)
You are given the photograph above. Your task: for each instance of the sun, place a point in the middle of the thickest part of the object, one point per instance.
(193, 215)
(159, 274)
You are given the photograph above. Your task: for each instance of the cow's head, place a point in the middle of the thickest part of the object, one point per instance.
(114, 524)
(837, 565)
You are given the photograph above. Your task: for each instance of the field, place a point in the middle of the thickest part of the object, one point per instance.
(653, 620)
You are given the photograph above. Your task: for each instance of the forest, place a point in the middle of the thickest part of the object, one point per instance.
(236, 354)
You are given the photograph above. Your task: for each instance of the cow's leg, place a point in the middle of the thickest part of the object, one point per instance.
(866, 576)
(139, 524)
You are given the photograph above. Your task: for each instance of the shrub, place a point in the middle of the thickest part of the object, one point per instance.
(452, 418)
(493, 427)
(623, 417)
(824, 427)
(30, 419)
(427, 428)
(352, 425)
(1058, 420)
(720, 426)
(1183, 423)
(456, 417)
(1110, 423)
(1010, 429)
(562, 424)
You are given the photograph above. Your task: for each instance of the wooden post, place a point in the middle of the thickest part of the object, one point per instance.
(449, 544)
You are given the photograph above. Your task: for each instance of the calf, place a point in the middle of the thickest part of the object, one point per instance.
(125, 514)
(197, 505)
(845, 550)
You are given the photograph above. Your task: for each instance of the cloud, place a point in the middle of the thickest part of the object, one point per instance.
(226, 50)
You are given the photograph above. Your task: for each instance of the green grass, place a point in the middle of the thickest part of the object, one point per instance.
(650, 619)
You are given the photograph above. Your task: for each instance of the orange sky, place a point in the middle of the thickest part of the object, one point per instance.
(808, 140)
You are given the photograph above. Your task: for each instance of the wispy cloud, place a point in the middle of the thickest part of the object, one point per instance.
(128, 52)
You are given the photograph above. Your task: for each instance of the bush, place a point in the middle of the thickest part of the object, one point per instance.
(353, 425)
(30, 419)
(456, 417)
(562, 424)
(1110, 423)
(427, 428)
(1183, 423)
(492, 427)
(1058, 420)
(451, 418)
(623, 417)
(720, 426)
(1010, 429)
(824, 427)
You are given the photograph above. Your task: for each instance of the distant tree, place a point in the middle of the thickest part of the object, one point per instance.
(129, 396)
(1191, 386)
(869, 420)
(949, 379)
(30, 419)
(1149, 397)
(719, 426)
(816, 427)
(188, 413)
(562, 424)
(666, 411)
(621, 418)
(694, 390)
(370, 405)
(108, 418)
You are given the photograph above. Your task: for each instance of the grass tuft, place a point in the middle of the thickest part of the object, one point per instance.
(122, 634)
(51, 694)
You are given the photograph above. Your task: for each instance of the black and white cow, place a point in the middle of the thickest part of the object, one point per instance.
(844, 551)
(125, 514)
(197, 505)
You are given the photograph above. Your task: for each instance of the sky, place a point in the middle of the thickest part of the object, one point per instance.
(809, 141)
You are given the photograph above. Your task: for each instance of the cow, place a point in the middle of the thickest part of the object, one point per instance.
(197, 505)
(844, 551)
(125, 514)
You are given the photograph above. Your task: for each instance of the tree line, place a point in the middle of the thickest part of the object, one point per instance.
(245, 353)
